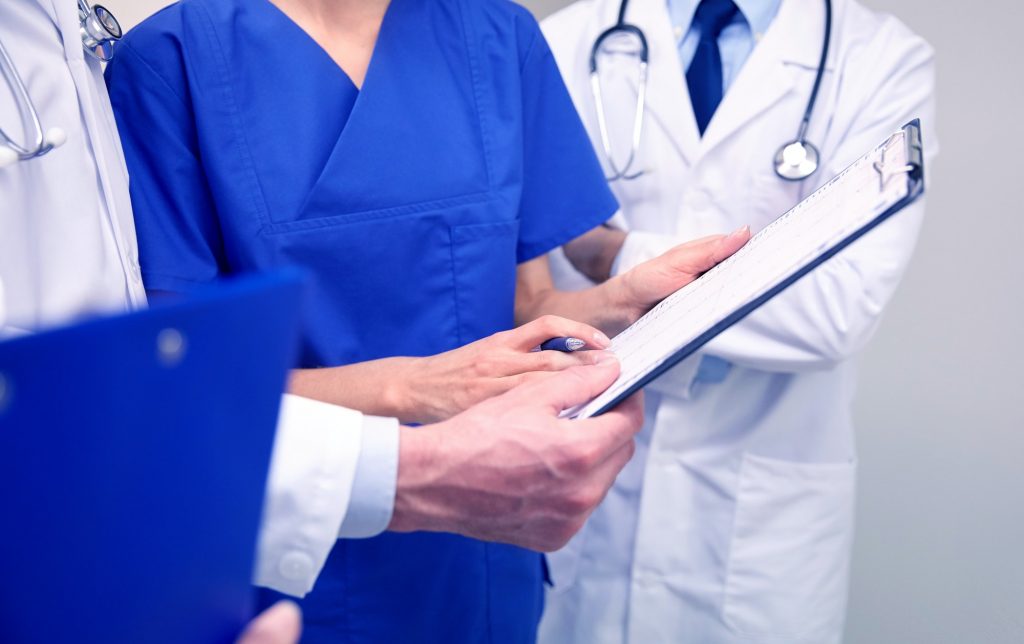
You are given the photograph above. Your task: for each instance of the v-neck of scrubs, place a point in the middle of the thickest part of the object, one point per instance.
(337, 110)
(392, 136)
(296, 27)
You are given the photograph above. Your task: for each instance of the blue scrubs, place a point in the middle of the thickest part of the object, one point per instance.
(409, 202)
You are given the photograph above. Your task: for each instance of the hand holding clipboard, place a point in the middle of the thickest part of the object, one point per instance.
(872, 189)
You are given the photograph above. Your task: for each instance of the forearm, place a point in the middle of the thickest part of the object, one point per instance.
(615, 303)
(598, 306)
(376, 387)
(435, 388)
(819, 322)
(593, 254)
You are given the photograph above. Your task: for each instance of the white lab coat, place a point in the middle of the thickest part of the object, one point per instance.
(68, 250)
(734, 521)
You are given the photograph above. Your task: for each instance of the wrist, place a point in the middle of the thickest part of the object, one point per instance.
(398, 394)
(594, 253)
(617, 306)
(417, 465)
(614, 239)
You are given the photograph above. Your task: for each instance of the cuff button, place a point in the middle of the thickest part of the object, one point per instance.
(295, 566)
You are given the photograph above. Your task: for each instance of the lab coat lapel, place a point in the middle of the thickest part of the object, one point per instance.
(668, 99)
(327, 192)
(98, 121)
(793, 41)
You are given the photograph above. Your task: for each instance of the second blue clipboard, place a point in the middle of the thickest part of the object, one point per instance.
(133, 460)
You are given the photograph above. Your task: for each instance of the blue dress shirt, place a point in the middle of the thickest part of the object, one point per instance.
(735, 44)
(737, 39)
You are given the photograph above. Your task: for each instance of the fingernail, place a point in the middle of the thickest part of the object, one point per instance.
(742, 231)
(606, 358)
(602, 340)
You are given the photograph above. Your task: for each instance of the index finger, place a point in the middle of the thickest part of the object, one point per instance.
(572, 387)
(532, 334)
(613, 429)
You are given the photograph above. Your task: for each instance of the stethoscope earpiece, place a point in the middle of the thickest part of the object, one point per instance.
(56, 137)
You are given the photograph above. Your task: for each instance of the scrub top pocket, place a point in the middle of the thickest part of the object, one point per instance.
(356, 266)
(484, 275)
(790, 548)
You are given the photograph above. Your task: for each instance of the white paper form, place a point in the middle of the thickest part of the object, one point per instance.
(851, 202)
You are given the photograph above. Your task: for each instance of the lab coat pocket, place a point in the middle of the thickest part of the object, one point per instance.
(789, 557)
(564, 564)
(771, 197)
(484, 267)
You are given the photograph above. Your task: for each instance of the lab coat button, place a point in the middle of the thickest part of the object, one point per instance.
(133, 267)
(296, 565)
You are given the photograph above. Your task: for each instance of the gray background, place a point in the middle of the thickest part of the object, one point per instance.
(941, 420)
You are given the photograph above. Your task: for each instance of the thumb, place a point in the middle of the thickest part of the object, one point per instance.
(546, 327)
(571, 387)
(730, 244)
(702, 255)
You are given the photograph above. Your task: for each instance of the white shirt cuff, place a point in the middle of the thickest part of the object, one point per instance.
(373, 489)
(311, 472)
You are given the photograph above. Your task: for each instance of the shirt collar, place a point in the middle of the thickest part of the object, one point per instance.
(758, 14)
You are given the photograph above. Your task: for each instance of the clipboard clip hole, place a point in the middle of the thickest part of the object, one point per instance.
(5, 392)
(170, 347)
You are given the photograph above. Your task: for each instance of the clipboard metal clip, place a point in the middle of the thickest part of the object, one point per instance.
(911, 134)
(885, 171)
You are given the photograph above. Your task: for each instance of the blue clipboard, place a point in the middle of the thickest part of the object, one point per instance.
(914, 175)
(133, 459)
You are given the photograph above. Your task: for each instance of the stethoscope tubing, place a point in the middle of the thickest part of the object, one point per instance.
(38, 146)
(805, 123)
(621, 27)
(100, 31)
(805, 169)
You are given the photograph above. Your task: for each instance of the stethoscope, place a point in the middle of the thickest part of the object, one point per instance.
(795, 161)
(100, 32)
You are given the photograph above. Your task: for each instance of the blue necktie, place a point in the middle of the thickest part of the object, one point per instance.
(704, 77)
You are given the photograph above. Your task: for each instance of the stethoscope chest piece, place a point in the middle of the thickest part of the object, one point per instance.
(796, 161)
(100, 30)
